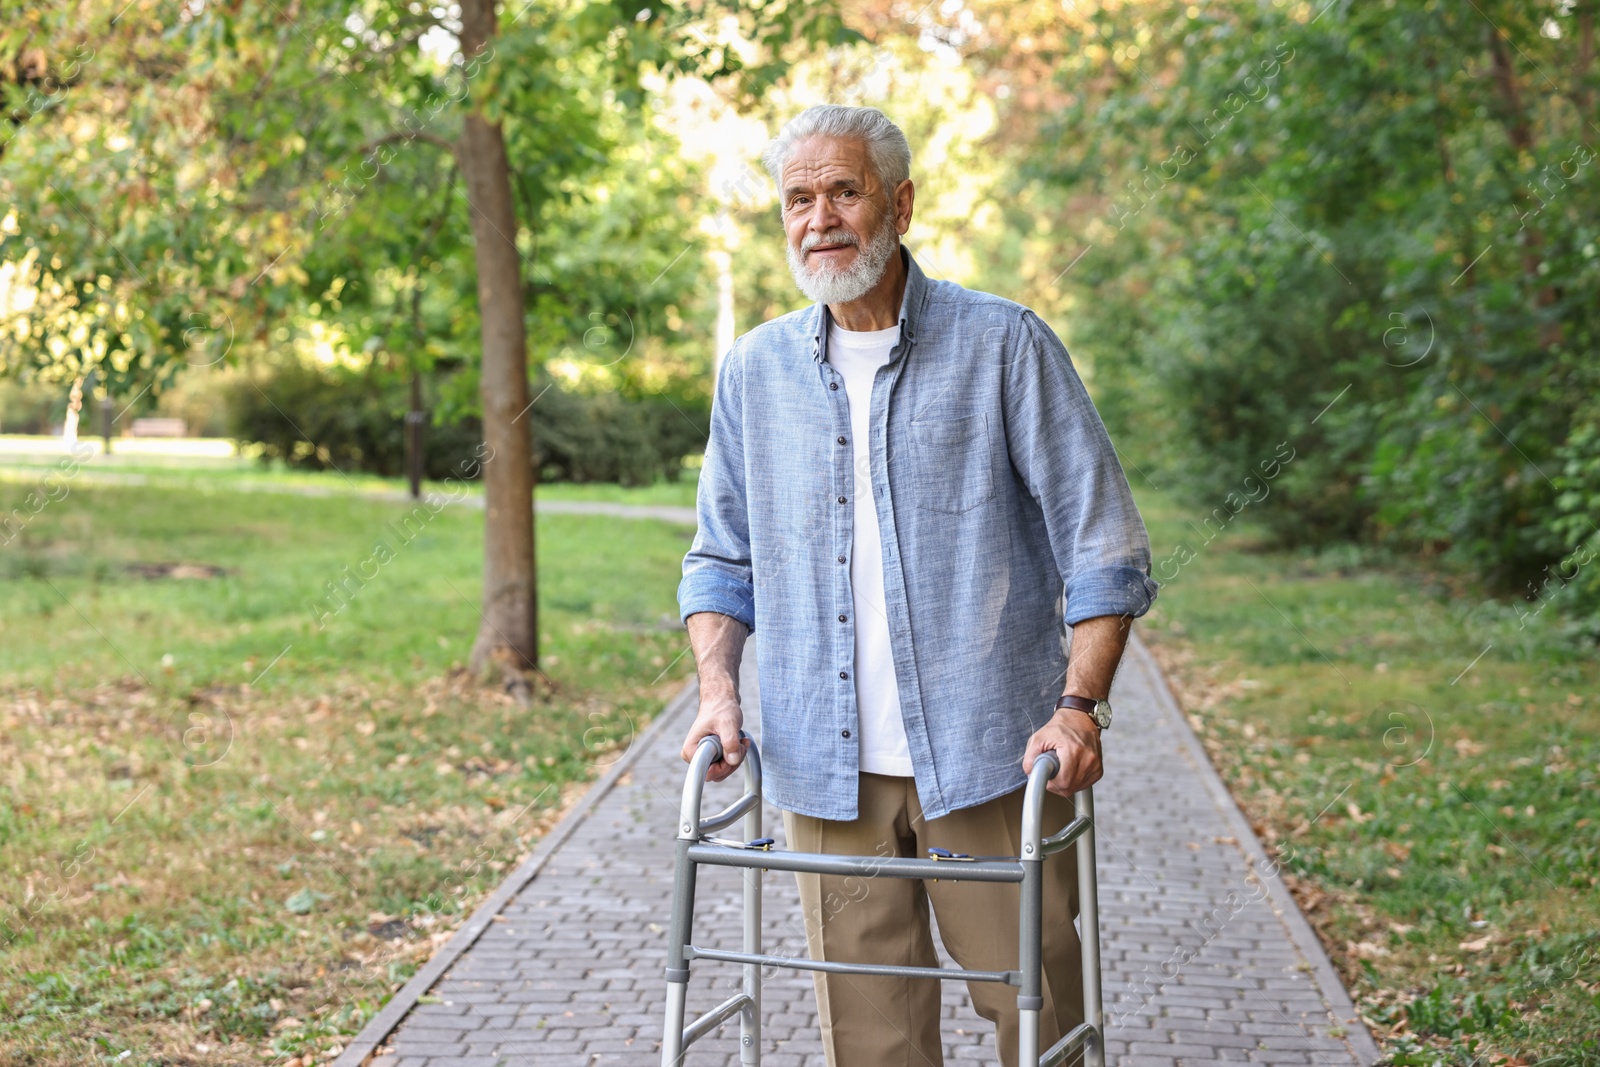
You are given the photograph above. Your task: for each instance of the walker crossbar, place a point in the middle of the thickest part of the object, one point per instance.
(758, 856)
(710, 1020)
(833, 967)
(865, 866)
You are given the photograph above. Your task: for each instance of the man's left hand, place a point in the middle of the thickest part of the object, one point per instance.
(1076, 741)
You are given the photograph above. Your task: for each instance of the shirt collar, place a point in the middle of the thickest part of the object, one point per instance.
(910, 307)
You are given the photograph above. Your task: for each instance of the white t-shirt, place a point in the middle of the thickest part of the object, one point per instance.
(857, 355)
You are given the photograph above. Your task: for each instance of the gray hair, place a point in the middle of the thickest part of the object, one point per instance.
(887, 147)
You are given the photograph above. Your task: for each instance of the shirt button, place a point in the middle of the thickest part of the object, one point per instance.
(844, 734)
(841, 618)
(844, 675)
(841, 500)
(833, 385)
(841, 559)
(841, 440)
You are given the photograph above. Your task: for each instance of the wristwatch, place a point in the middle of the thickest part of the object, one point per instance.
(1098, 710)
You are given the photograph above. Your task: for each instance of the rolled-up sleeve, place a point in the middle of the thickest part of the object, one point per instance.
(716, 570)
(1063, 454)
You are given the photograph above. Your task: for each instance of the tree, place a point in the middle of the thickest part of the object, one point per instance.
(510, 626)
(281, 123)
(1363, 229)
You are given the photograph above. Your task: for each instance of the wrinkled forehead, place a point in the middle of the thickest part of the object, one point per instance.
(820, 162)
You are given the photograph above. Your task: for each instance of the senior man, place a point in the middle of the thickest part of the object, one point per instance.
(904, 485)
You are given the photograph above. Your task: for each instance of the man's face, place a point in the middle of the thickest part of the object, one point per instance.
(835, 212)
(828, 186)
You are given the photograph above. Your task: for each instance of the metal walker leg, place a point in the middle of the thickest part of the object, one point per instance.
(755, 856)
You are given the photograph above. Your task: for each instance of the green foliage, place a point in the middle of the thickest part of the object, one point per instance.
(191, 185)
(608, 438)
(333, 418)
(316, 418)
(30, 407)
(1367, 230)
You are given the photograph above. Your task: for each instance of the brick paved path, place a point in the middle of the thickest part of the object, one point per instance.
(570, 971)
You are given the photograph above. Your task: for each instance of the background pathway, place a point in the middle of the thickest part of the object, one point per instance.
(1204, 960)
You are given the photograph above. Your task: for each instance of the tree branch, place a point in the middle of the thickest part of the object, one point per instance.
(1585, 59)
(409, 135)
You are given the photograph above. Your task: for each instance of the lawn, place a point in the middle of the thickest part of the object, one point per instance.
(234, 814)
(1422, 761)
(24, 461)
(228, 831)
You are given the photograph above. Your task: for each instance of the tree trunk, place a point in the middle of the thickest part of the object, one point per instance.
(1519, 132)
(508, 637)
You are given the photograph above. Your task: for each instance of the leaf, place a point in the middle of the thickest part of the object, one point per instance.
(303, 902)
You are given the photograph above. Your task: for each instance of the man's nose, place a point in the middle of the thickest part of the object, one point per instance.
(823, 216)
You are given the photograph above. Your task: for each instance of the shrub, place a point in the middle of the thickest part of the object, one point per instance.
(317, 418)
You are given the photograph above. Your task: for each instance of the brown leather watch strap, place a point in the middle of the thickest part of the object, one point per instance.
(1077, 704)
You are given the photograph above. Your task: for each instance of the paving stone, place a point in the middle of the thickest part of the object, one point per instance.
(1192, 974)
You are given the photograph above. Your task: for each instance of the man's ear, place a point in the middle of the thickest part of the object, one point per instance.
(904, 197)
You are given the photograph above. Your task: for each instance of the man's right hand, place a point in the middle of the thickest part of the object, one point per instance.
(721, 718)
(718, 642)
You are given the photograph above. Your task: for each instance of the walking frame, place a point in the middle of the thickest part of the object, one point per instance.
(756, 854)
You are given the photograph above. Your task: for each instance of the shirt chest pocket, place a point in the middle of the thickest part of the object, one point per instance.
(951, 464)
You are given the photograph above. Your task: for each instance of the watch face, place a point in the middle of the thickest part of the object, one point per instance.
(1102, 713)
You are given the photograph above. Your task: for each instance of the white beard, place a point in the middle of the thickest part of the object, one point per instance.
(828, 286)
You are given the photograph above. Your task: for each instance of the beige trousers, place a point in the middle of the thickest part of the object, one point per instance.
(894, 1022)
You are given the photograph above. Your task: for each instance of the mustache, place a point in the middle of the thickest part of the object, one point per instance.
(834, 237)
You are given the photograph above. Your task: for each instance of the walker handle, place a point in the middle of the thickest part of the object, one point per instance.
(690, 826)
(1046, 765)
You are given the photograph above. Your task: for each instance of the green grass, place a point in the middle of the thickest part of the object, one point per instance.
(1425, 768)
(21, 471)
(197, 850)
(228, 833)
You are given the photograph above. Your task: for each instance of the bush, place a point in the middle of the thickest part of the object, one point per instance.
(30, 406)
(317, 418)
(609, 438)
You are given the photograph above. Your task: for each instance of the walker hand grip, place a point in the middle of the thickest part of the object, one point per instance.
(706, 753)
(1046, 765)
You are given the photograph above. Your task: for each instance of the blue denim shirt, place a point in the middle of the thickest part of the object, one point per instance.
(1004, 516)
